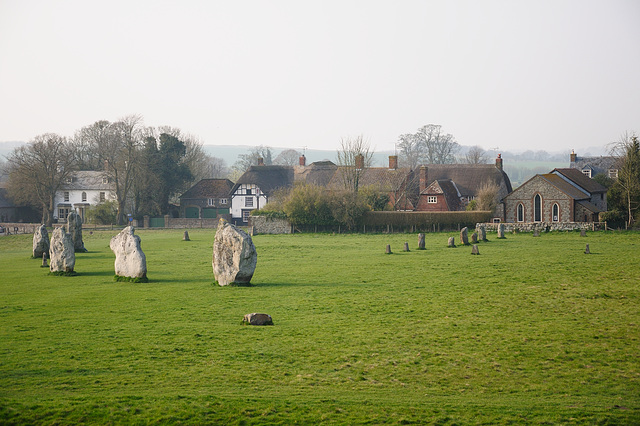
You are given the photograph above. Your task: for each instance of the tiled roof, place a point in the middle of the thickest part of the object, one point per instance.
(87, 180)
(469, 178)
(566, 187)
(582, 180)
(209, 188)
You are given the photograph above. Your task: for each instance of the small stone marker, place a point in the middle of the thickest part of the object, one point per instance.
(257, 319)
(483, 233)
(61, 252)
(501, 230)
(388, 249)
(464, 236)
(452, 242)
(421, 245)
(186, 236)
(474, 249)
(130, 261)
(74, 227)
(40, 242)
(406, 246)
(583, 233)
(474, 238)
(586, 251)
(234, 255)
(44, 261)
(536, 233)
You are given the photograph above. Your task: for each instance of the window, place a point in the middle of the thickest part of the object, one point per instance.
(248, 201)
(248, 191)
(586, 172)
(66, 196)
(223, 201)
(63, 212)
(555, 213)
(211, 202)
(69, 179)
(520, 212)
(102, 196)
(537, 208)
(432, 199)
(84, 196)
(105, 179)
(245, 215)
(613, 173)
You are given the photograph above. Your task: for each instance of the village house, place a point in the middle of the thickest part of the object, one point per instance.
(80, 192)
(208, 198)
(592, 166)
(563, 195)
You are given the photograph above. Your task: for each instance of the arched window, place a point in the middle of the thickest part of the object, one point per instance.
(520, 212)
(84, 196)
(537, 208)
(555, 212)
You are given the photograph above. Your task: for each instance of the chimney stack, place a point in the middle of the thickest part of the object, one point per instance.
(422, 174)
(303, 160)
(260, 161)
(359, 162)
(499, 161)
(393, 162)
(574, 157)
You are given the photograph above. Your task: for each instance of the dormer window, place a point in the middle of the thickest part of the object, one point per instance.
(586, 172)
(105, 179)
(613, 173)
(223, 201)
(69, 179)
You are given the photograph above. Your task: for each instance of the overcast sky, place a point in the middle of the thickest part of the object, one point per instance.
(540, 74)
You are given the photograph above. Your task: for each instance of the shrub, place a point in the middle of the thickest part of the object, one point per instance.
(103, 213)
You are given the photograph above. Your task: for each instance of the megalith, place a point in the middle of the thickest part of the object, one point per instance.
(257, 319)
(474, 238)
(452, 242)
(61, 252)
(501, 230)
(40, 242)
(482, 233)
(421, 244)
(74, 227)
(234, 255)
(130, 259)
(464, 236)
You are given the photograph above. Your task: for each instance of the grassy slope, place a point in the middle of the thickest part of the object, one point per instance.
(532, 330)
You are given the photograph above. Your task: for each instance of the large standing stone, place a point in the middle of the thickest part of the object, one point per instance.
(501, 230)
(130, 259)
(40, 242)
(482, 232)
(464, 236)
(421, 244)
(234, 255)
(61, 252)
(74, 227)
(474, 238)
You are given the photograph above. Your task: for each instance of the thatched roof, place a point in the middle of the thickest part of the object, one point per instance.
(469, 178)
(267, 178)
(209, 188)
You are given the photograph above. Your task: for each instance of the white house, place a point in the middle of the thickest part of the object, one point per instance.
(81, 191)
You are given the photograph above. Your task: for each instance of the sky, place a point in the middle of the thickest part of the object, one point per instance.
(514, 75)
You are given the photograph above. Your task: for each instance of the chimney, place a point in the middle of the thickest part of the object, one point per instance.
(499, 161)
(393, 162)
(574, 157)
(303, 160)
(359, 162)
(260, 161)
(106, 165)
(423, 177)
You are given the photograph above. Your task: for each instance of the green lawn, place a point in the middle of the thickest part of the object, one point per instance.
(531, 331)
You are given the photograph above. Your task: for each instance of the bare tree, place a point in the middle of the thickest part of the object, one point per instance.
(627, 148)
(487, 196)
(476, 155)
(353, 157)
(39, 169)
(437, 147)
(410, 150)
(88, 142)
(288, 157)
(251, 158)
(120, 152)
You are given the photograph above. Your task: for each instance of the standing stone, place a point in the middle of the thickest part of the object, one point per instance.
(406, 246)
(234, 255)
(474, 249)
(451, 242)
(583, 233)
(74, 227)
(421, 245)
(257, 319)
(501, 230)
(464, 236)
(40, 242)
(61, 251)
(474, 238)
(130, 259)
(483, 232)
(587, 250)
(387, 250)
(186, 236)
(44, 261)
(536, 233)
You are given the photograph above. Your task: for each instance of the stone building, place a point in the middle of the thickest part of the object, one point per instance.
(564, 195)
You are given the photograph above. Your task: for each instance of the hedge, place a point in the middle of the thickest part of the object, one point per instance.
(425, 220)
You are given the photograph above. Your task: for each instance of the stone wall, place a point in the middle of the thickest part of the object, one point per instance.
(543, 226)
(191, 223)
(269, 225)
(19, 228)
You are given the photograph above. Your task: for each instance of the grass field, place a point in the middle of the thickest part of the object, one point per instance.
(531, 331)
